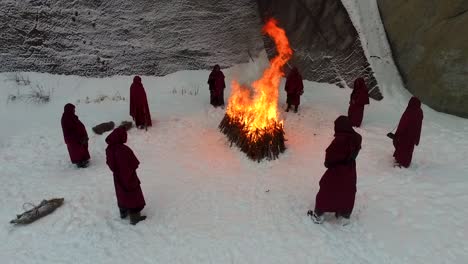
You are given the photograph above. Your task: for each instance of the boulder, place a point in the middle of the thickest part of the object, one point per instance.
(429, 42)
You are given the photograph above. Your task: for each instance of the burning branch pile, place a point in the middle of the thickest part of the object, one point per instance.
(251, 121)
(262, 143)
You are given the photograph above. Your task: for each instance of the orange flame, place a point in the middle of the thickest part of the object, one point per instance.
(258, 109)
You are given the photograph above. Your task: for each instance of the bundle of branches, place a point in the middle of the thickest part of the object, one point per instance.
(263, 143)
(127, 125)
(103, 127)
(44, 208)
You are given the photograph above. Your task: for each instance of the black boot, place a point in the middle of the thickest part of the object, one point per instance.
(345, 219)
(83, 164)
(123, 213)
(344, 215)
(136, 217)
(295, 108)
(316, 216)
(287, 109)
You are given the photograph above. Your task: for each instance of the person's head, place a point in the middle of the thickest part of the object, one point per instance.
(216, 68)
(414, 102)
(293, 71)
(343, 125)
(69, 108)
(118, 136)
(137, 79)
(359, 83)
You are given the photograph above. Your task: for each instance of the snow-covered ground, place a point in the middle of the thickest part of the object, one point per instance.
(207, 202)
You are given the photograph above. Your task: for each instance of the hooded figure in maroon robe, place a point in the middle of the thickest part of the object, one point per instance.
(294, 89)
(139, 109)
(123, 164)
(408, 133)
(216, 85)
(338, 184)
(359, 98)
(76, 137)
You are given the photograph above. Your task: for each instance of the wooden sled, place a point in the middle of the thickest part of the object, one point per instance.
(44, 208)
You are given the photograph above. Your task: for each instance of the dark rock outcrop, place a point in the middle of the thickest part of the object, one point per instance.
(429, 42)
(326, 44)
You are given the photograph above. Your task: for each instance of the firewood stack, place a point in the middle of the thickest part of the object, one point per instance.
(263, 143)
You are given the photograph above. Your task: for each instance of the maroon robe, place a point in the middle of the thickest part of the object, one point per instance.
(338, 184)
(359, 98)
(123, 163)
(408, 133)
(216, 85)
(294, 87)
(139, 109)
(75, 135)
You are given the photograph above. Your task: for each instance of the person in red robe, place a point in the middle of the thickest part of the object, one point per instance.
(294, 89)
(75, 136)
(139, 109)
(216, 85)
(359, 98)
(123, 164)
(338, 184)
(408, 133)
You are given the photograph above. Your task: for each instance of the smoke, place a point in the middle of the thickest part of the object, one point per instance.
(247, 73)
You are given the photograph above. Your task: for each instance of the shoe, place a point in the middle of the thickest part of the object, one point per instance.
(287, 109)
(344, 221)
(123, 213)
(136, 217)
(318, 219)
(82, 164)
(295, 110)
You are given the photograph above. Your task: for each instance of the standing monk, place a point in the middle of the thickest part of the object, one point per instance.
(338, 184)
(408, 133)
(294, 89)
(139, 109)
(216, 86)
(359, 98)
(76, 137)
(123, 164)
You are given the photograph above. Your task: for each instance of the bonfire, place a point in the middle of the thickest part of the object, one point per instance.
(252, 120)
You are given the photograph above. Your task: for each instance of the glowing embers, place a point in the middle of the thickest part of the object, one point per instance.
(251, 120)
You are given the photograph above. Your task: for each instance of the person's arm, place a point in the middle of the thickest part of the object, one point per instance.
(335, 154)
(418, 128)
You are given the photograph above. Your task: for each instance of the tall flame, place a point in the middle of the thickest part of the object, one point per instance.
(258, 109)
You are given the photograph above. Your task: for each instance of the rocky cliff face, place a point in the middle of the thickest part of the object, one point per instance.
(102, 38)
(429, 41)
(326, 44)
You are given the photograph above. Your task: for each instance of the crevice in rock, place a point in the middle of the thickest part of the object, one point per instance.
(326, 44)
